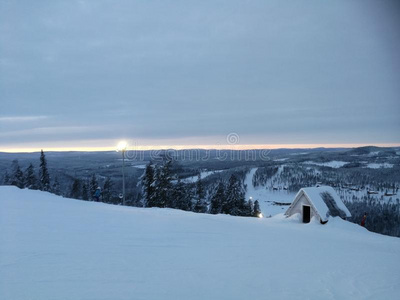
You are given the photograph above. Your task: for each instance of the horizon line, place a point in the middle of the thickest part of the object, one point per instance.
(197, 147)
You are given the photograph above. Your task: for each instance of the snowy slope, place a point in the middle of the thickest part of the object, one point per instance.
(203, 175)
(332, 164)
(267, 197)
(56, 248)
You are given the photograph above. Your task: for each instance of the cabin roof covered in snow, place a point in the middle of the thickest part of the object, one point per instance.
(325, 201)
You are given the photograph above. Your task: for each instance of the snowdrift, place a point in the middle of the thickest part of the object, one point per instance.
(57, 248)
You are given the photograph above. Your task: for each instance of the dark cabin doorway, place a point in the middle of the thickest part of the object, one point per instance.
(306, 214)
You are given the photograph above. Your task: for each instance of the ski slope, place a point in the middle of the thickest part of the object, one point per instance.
(267, 197)
(55, 248)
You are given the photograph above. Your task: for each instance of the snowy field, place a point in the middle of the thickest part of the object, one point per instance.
(203, 175)
(332, 164)
(55, 248)
(378, 166)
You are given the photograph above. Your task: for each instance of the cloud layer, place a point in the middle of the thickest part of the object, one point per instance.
(273, 71)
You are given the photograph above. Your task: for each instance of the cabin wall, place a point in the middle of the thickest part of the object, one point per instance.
(298, 208)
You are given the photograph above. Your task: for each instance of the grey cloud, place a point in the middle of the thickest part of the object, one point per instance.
(283, 71)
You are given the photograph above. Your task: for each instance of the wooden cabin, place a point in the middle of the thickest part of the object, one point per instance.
(320, 202)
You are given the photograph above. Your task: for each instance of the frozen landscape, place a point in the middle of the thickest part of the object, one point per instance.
(199, 150)
(58, 248)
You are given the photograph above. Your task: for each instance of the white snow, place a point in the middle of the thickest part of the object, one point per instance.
(53, 248)
(379, 165)
(203, 175)
(314, 194)
(267, 197)
(333, 164)
(140, 166)
(281, 159)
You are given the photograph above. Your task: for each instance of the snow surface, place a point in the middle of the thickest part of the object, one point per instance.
(140, 166)
(203, 175)
(378, 166)
(332, 164)
(267, 197)
(281, 159)
(56, 248)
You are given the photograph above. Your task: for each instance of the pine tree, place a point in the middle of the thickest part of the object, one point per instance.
(6, 180)
(107, 194)
(147, 184)
(18, 178)
(56, 187)
(180, 197)
(154, 200)
(163, 186)
(235, 203)
(75, 192)
(256, 209)
(93, 186)
(200, 205)
(30, 178)
(44, 177)
(217, 199)
(85, 191)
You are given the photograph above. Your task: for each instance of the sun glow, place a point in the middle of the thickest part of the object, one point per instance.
(122, 146)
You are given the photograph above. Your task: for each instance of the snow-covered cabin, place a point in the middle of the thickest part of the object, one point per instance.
(320, 202)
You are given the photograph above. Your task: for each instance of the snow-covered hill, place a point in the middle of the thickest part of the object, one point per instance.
(56, 248)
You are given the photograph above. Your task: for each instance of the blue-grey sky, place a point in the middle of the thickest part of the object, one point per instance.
(88, 73)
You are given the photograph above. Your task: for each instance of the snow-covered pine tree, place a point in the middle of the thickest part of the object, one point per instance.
(18, 177)
(179, 197)
(93, 186)
(75, 192)
(56, 187)
(30, 178)
(147, 184)
(200, 204)
(247, 209)
(44, 177)
(256, 209)
(85, 191)
(107, 194)
(154, 200)
(235, 203)
(164, 186)
(218, 199)
(6, 179)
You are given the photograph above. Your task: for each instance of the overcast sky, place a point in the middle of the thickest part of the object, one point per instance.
(88, 73)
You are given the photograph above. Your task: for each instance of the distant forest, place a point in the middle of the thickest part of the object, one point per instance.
(161, 183)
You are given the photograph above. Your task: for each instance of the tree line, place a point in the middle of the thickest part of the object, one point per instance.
(382, 218)
(161, 189)
(30, 179)
(84, 189)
